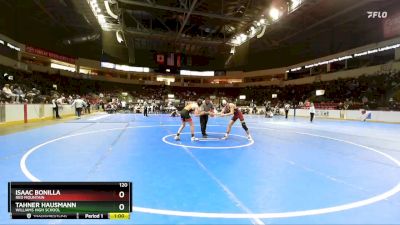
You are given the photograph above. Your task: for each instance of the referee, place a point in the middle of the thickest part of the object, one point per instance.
(207, 108)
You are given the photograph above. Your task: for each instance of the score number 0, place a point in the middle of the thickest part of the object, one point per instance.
(121, 194)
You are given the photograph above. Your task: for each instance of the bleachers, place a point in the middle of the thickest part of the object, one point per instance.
(365, 91)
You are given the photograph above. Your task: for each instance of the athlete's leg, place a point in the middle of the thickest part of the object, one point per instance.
(192, 130)
(241, 118)
(177, 137)
(228, 129)
(246, 129)
(181, 127)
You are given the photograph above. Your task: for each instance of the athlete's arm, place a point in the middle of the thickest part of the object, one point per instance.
(231, 112)
(212, 110)
(197, 110)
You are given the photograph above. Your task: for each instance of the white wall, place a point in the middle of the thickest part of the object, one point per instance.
(383, 116)
(377, 116)
(35, 111)
(15, 112)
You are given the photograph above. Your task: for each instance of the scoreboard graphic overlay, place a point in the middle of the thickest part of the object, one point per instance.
(70, 200)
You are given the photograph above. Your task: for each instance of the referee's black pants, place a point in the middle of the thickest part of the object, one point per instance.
(78, 112)
(286, 113)
(203, 123)
(55, 110)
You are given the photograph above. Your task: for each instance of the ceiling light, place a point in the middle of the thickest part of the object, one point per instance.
(295, 4)
(274, 13)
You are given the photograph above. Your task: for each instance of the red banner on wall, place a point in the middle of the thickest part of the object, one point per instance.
(41, 52)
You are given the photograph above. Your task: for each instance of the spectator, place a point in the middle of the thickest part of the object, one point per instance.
(31, 95)
(286, 107)
(87, 108)
(312, 112)
(55, 107)
(18, 93)
(9, 94)
(79, 104)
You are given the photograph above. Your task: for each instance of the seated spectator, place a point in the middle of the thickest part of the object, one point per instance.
(31, 95)
(8, 93)
(19, 93)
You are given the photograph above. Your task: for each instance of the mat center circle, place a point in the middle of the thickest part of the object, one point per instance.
(213, 141)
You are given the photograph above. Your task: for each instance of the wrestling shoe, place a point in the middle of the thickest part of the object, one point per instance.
(225, 137)
(249, 137)
(194, 139)
(177, 138)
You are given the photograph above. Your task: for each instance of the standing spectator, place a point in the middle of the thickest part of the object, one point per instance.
(267, 108)
(60, 102)
(54, 102)
(123, 105)
(87, 108)
(151, 109)
(157, 108)
(294, 109)
(365, 102)
(287, 107)
(78, 104)
(145, 110)
(312, 112)
(102, 105)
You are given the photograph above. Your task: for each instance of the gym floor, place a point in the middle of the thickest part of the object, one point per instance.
(293, 172)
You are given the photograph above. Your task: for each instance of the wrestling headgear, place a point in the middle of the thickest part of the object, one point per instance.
(224, 102)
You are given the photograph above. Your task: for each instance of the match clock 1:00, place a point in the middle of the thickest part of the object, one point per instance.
(119, 216)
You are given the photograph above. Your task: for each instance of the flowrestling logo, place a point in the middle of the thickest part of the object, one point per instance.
(377, 14)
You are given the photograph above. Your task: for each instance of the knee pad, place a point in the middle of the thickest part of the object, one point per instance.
(244, 126)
